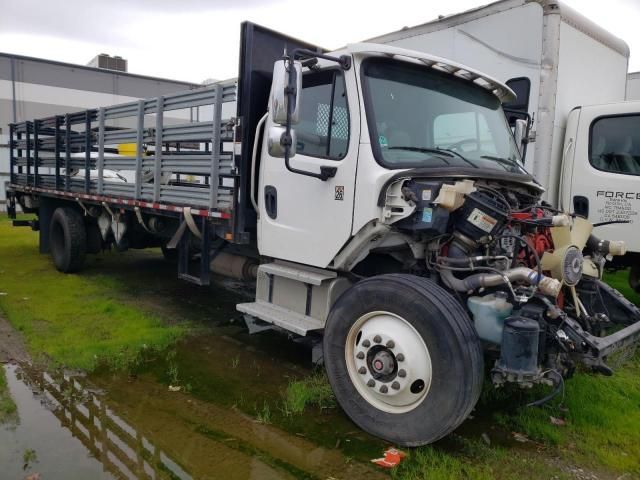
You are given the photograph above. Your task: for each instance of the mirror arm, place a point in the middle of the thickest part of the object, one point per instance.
(343, 60)
(325, 172)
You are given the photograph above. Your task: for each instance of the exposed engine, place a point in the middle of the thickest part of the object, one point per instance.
(529, 275)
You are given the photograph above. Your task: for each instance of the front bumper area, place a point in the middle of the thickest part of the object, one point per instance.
(625, 320)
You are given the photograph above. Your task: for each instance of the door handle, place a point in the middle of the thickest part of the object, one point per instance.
(271, 201)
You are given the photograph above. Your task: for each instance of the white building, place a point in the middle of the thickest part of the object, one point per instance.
(34, 88)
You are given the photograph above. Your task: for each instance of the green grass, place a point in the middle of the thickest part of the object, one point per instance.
(8, 410)
(474, 460)
(619, 281)
(602, 417)
(312, 390)
(75, 320)
(427, 462)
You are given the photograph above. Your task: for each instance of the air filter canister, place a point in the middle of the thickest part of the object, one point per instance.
(519, 352)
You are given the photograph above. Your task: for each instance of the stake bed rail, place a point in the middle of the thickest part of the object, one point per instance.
(177, 149)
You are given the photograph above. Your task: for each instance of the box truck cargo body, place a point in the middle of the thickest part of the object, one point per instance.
(562, 66)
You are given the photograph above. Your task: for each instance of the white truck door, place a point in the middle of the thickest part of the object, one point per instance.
(305, 219)
(605, 175)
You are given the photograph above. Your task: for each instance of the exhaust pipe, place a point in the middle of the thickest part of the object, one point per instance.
(234, 266)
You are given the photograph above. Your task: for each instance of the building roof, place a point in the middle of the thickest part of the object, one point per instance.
(95, 69)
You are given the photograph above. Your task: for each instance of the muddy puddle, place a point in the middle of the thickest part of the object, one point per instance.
(68, 426)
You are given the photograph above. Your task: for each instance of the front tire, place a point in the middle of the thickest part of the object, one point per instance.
(403, 359)
(67, 239)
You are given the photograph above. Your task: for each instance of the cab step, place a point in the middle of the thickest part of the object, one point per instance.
(281, 317)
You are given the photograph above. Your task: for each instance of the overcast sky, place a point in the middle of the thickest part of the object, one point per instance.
(197, 39)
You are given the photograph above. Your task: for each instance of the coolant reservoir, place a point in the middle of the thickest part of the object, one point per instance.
(489, 313)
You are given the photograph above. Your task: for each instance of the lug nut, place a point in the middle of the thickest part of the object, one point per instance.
(395, 385)
(400, 357)
(366, 344)
(360, 355)
(391, 344)
(402, 373)
(384, 389)
(371, 383)
(377, 339)
(362, 370)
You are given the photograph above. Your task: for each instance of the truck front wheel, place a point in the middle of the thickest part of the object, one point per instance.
(67, 239)
(403, 358)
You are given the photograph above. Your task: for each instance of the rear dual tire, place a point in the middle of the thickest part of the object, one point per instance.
(67, 239)
(392, 323)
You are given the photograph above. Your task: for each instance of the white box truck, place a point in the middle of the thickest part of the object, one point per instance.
(340, 184)
(570, 76)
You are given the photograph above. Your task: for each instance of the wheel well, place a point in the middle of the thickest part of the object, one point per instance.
(378, 264)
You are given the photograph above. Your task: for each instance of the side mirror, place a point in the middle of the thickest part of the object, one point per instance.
(279, 89)
(520, 133)
(277, 141)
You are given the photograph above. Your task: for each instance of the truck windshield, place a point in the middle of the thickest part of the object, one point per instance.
(420, 117)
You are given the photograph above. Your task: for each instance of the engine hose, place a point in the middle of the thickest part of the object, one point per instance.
(606, 247)
(457, 252)
(548, 286)
(559, 387)
(469, 261)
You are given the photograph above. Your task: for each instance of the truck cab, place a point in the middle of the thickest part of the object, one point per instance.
(393, 111)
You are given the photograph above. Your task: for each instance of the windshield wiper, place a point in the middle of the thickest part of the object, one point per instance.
(457, 154)
(425, 150)
(441, 151)
(502, 161)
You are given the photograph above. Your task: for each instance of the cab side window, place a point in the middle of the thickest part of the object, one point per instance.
(323, 130)
(614, 144)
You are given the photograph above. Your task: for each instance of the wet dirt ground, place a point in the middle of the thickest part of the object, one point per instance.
(206, 408)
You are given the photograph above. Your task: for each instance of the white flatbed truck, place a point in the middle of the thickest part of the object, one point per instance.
(331, 180)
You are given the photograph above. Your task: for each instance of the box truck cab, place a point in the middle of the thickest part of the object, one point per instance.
(561, 66)
(375, 198)
(600, 177)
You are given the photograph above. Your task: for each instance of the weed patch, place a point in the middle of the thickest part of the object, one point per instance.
(263, 415)
(474, 460)
(8, 410)
(312, 390)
